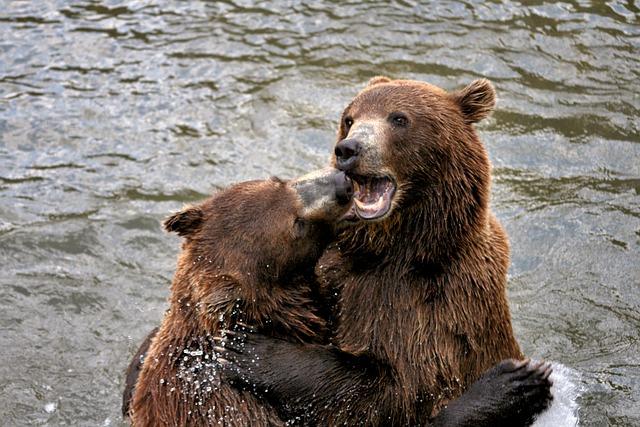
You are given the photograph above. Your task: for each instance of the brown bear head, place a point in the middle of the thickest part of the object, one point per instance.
(255, 236)
(412, 151)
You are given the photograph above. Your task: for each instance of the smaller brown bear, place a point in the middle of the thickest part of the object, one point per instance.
(248, 256)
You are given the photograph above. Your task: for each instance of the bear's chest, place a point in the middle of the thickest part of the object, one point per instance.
(410, 322)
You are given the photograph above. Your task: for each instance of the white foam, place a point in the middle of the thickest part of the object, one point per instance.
(566, 389)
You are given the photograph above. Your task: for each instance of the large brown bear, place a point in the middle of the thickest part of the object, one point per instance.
(248, 256)
(421, 277)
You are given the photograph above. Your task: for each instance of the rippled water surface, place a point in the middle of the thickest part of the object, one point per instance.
(113, 114)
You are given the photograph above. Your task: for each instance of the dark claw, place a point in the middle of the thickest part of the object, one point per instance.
(536, 374)
(239, 359)
(245, 327)
(223, 362)
(234, 334)
(513, 365)
(231, 341)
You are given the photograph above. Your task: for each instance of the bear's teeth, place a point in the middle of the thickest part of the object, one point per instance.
(357, 188)
(370, 207)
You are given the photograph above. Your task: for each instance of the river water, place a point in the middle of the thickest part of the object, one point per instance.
(115, 113)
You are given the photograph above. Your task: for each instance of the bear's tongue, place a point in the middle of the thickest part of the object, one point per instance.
(372, 196)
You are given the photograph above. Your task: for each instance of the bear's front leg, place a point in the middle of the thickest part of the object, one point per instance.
(313, 381)
(304, 381)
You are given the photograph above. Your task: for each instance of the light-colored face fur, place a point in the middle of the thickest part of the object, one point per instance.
(318, 195)
(372, 131)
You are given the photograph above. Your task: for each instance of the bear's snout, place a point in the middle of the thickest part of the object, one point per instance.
(347, 152)
(325, 194)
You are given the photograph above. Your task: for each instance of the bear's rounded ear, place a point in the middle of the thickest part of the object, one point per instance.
(476, 101)
(185, 222)
(377, 80)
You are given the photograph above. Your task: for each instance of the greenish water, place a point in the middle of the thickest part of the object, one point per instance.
(113, 114)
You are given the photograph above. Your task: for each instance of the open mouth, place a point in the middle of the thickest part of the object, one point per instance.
(372, 196)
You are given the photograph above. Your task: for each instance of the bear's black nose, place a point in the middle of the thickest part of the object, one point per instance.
(344, 188)
(347, 152)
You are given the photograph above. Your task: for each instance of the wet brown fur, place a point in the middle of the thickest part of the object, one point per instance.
(423, 291)
(241, 261)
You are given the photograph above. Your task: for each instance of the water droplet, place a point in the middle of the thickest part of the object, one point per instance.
(50, 407)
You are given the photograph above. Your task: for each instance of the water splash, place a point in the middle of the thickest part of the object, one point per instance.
(566, 390)
(50, 407)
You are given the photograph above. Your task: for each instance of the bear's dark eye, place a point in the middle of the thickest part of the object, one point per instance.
(300, 227)
(348, 122)
(399, 119)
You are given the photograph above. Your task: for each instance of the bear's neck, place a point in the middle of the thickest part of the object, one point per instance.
(416, 235)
